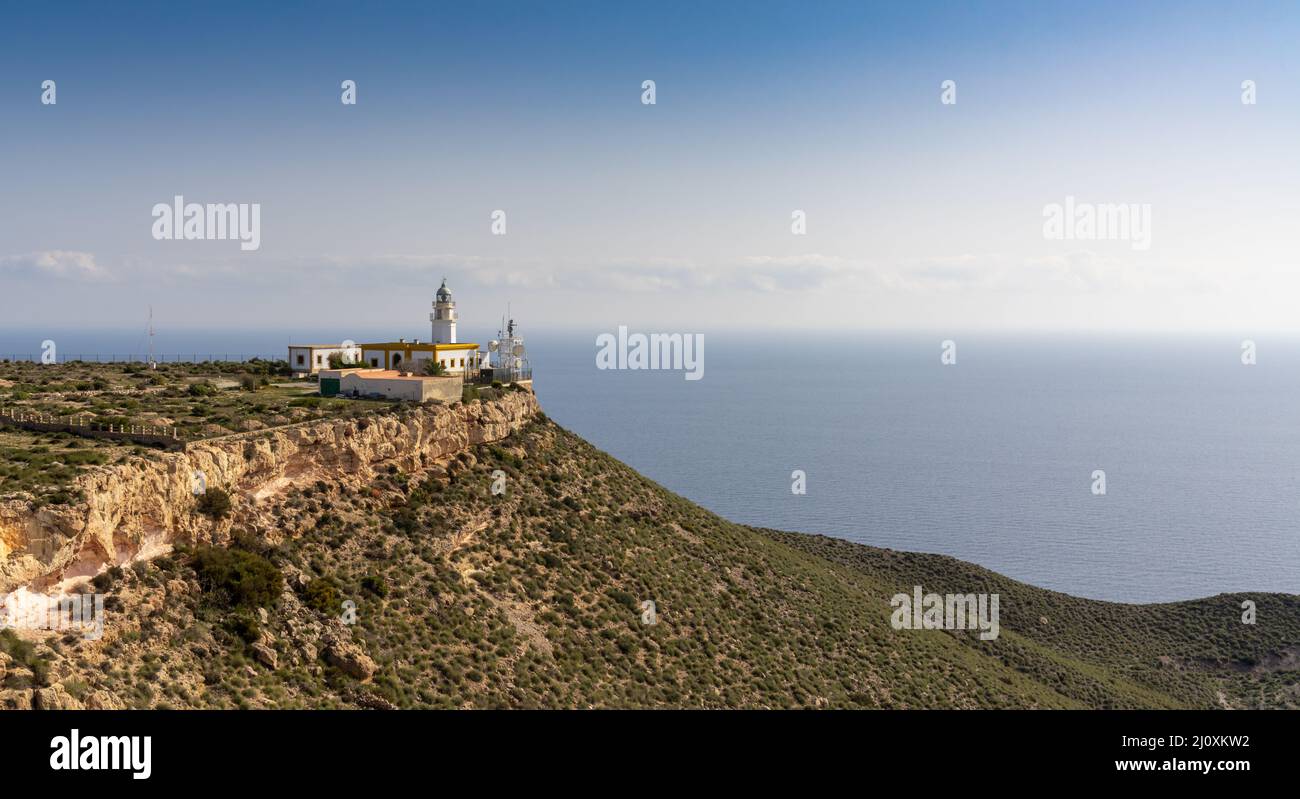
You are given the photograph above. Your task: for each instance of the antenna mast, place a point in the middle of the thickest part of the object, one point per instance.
(152, 364)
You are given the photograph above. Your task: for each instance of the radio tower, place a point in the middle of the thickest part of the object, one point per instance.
(152, 363)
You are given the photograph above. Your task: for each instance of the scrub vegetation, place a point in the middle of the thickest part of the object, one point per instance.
(537, 597)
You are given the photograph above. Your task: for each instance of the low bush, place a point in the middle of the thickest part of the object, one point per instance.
(375, 584)
(236, 578)
(214, 503)
(322, 595)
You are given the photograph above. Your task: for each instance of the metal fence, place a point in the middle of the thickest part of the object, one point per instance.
(149, 435)
(488, 376)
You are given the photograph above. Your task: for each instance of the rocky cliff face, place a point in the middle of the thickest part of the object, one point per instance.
(134, 510)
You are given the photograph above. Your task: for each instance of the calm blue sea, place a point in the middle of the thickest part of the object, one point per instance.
(989, 460)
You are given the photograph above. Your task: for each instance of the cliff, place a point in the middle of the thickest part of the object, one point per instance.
(138, 508)
(484, 557)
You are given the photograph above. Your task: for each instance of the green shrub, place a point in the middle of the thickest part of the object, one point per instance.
(214, 503)
(322, 595)
(105, 580)
(623, 598)
(24, 653)
(244, 625)
(375, 584)
(236, 578)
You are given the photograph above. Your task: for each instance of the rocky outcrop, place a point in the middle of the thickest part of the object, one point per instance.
(136, 509)
(56, 697)
(103, 700)
(350, 659)
(20, 699)
(265, 655)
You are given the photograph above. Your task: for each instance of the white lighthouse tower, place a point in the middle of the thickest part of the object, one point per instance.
(443, 317)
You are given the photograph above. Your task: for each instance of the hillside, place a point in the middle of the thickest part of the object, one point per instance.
(533, 598)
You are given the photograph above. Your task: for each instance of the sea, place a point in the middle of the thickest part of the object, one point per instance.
(998, 458)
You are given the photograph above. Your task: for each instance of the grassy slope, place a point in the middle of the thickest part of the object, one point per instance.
(1186, 652)
(533, 599)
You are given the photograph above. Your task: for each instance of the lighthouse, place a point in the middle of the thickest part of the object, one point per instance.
(443, 317)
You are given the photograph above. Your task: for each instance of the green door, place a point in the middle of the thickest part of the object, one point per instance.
(329, 386)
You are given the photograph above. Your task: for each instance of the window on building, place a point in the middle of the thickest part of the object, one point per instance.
(374, 362)
(300, 359)
(319, 359)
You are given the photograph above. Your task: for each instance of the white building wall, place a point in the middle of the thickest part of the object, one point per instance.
(457, 361)
(392, 389)
(318, 358)
(300, 359)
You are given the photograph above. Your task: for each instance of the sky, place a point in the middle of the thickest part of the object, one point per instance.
(675, 216)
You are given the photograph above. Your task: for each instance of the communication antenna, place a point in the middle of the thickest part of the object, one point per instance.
(152, 363)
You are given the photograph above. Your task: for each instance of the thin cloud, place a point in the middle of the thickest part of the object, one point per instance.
(1077, 271)
(65, 264)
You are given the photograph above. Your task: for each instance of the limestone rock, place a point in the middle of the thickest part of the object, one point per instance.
(265, 655)
(103, 700)
(56, 697)
(16, 699)
(142, 505)
(350, 659)
(20, 674)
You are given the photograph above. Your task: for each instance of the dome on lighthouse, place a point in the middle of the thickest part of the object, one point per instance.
(444, 294)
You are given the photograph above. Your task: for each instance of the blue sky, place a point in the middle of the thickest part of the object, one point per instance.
(673, 216)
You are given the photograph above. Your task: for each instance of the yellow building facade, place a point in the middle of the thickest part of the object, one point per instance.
(411, 356)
